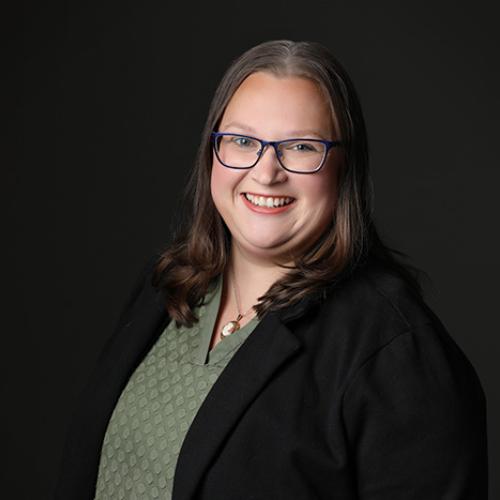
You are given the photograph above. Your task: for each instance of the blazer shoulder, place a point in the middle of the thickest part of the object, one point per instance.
(142, 284)
(378, 312)
(386, 292)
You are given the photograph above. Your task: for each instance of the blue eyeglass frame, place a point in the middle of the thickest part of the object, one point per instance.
(329, 145)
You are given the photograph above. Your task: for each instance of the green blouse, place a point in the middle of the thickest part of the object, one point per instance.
(153, 414)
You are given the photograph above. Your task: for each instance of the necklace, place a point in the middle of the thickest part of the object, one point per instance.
(234, 325)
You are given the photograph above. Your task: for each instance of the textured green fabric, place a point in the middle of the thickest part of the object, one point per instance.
(158, 404)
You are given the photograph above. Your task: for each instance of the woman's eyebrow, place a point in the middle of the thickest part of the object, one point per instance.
(241, 126)
(290, 133)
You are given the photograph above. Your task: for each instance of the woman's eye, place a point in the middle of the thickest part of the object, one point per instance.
(304, 147)
(242, 141)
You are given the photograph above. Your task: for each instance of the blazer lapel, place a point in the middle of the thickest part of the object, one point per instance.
(254, 363)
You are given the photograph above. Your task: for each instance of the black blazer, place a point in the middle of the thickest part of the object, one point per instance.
(361, 395)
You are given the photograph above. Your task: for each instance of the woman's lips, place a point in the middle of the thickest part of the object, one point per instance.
(268, 195)
(266, 210)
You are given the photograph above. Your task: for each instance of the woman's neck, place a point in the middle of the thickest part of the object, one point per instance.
(253, 277)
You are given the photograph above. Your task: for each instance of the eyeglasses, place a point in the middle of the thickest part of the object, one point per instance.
(301, 156)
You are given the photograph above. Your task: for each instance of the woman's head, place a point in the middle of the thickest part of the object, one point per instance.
(273, 88)
(276, 108)
(301, 71)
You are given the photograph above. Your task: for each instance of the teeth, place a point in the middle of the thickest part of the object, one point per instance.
(262, 201)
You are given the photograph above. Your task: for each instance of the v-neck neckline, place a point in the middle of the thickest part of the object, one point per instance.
(208, 313)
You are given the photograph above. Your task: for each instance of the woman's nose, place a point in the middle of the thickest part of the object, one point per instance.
(268, 167)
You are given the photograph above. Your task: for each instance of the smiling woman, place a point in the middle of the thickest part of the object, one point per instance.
(277, 348)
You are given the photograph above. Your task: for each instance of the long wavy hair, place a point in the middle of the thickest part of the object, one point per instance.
(200, 248)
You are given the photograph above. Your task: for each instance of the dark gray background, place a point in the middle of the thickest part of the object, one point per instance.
(106, 105)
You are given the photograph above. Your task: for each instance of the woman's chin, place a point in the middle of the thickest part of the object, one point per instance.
(263, 246)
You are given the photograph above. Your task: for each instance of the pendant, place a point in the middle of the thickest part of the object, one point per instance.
(229, 328)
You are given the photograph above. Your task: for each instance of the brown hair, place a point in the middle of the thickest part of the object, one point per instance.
(200, 248)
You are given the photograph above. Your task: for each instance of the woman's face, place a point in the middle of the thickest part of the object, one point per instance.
(274, 108)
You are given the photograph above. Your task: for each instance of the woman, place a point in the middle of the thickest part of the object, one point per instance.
(278, 349)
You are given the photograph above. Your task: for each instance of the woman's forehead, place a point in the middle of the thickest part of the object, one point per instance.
(294, 105)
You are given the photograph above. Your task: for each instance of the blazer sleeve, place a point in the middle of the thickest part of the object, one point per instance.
(415, 419)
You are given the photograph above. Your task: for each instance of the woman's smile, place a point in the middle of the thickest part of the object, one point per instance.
(267, 205)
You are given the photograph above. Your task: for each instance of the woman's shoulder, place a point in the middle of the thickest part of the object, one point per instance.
(383, 294)
(377, 315)
(376, 306)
